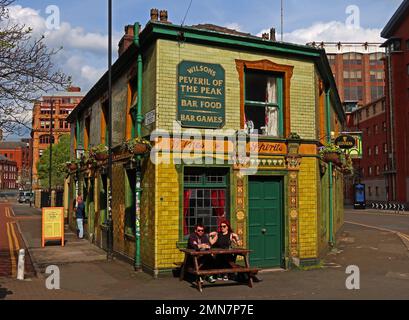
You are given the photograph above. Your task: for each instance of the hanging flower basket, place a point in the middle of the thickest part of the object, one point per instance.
(331, 157)
(72, 166)
(100, 152)
(101, 156)
(138, 146)
(331, 153)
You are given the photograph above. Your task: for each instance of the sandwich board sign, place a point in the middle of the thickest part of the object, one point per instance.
(52, 225)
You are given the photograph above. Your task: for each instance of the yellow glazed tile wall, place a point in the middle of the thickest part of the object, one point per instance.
(170, 54)
(167, 216)
(148, 215)
(307, 184)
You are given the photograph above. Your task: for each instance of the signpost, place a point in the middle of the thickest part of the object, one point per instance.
(201, 95)
(52, 225)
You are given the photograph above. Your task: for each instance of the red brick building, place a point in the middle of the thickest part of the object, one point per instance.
(397, 101)
(18, 151)
(358, 69)
(63, 104)
(8, 174)
(371, 169)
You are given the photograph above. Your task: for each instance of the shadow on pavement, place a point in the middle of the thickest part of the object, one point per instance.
(4, 292)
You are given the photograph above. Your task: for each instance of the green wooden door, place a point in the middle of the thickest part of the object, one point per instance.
(265, 221)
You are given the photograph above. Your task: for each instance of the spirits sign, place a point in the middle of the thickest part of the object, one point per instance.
(201, 95)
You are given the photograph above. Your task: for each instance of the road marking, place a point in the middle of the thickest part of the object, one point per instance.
(11, 248)
(379, 214)
(11, 211)
(401, 234)
(13, 232)
(6, 211)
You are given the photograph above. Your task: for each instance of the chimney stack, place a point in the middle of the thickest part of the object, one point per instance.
(264, 36)
(154, 14)
(74, 89)
(163, 16)
(273, 34)
(126, 40)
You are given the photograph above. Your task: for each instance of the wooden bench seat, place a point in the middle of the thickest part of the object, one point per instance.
(221, 271)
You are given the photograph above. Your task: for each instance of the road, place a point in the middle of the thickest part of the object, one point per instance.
(10, 239)
(382, 220)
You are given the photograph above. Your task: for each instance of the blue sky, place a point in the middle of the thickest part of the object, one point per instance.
(253, 16)
(83, 28)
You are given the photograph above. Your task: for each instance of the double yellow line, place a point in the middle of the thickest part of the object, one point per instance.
(14, 245)
(9, 212)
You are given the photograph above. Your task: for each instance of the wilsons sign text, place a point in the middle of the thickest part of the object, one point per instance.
(201, 95)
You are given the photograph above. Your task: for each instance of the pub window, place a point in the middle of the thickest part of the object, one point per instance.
(205, 198)
(377, 170)
(385, 148)
(369, 151)
(376, 150)
(377, 191)
(263, 103)
(370, 171)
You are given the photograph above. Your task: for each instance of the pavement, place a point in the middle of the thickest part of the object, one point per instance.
(381, 256)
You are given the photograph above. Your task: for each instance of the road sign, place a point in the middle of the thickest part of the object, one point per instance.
(52, 225)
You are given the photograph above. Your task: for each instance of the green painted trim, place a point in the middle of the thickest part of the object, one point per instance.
(331, 208)
(285, 221)
(280, 106)
(138, 119)
(231, 40)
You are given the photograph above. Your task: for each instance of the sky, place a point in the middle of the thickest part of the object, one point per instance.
(82, 27)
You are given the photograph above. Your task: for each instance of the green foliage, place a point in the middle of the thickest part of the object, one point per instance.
(99, 149)
(60, 157)
(130, 144)
(330, 148)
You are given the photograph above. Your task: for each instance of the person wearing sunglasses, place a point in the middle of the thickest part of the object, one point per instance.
(224, 238)
(199, 240)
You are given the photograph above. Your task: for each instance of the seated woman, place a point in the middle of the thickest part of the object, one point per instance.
(223, 239)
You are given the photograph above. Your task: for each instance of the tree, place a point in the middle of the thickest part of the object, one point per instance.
(61, 155)
(26, 72)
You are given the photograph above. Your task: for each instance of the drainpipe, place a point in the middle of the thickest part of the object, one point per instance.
(328, 112)
(138, 119)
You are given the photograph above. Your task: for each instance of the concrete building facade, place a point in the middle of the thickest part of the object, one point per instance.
(358, 69)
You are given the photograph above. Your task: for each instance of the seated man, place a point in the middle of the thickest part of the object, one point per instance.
(199, 240)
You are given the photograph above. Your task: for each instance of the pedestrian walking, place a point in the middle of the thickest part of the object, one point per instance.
(80, 215)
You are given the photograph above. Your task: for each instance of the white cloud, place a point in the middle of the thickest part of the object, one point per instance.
(332, 31)
(233, 26)
(84, 54)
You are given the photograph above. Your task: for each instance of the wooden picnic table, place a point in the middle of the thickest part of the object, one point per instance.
(197, 270)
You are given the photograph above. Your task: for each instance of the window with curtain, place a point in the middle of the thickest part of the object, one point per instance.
(263, 103)
(205, 198)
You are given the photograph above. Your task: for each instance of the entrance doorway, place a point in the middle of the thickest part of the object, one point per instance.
(266, 231)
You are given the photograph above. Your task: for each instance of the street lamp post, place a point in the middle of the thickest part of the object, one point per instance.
(110, 222)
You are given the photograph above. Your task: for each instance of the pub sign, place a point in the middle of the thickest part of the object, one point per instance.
(201, 95)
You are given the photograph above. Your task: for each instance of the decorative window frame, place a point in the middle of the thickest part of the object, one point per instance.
(266, 65)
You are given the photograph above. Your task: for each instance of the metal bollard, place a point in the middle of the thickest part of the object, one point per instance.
(20, 266)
